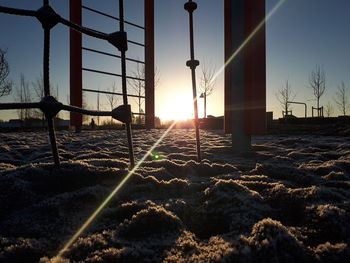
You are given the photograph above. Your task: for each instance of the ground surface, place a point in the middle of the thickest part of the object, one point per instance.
(289, 202)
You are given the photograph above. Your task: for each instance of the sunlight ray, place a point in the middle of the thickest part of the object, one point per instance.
(110, 196)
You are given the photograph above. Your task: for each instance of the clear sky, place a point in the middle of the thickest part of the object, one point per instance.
(300, 35)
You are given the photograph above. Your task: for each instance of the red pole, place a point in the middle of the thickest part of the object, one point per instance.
(245, 75)
(76, 80)
(149, 63)
(228, 50)
(255, 69)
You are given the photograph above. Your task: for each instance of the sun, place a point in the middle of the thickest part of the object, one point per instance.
(178, 107)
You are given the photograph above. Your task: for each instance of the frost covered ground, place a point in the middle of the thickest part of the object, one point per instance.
(288, 202)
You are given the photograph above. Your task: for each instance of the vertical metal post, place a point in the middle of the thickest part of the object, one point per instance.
(245, 75)
(192, 64)
(76, 79)
(149, 63)
(255, 68)
(124, 87)
(98, 106)
(46, 75)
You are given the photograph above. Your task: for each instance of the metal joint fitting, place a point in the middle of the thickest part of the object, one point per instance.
(192, 64)
(190, 6)
(119, 40)
(122, 113)
(50, 106)
(47, 17)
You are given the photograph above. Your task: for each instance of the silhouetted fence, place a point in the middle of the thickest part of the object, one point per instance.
(49, 105)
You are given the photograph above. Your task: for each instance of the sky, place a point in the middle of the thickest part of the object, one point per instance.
(300, 35)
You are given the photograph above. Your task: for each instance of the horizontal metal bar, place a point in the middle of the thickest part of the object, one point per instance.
(138, 113)
(136, 43)
(84, 30)
(296, 102)
(112, 93)
(86, 112)
(16, 11)
(111, 55)
(112, 17)
(60, 106)
(15, 106)
(111, 74)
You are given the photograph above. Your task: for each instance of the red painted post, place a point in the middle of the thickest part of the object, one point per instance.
(149, 63)
(76, 79)
(255, 68)
(245, 75)
(228, 50)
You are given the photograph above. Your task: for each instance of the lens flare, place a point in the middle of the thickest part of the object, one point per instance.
(157, 155)
(110, 196)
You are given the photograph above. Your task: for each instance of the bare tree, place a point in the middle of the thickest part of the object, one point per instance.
(5, 84)
(317, 81)
(23, 95)
(138, 85)
(329, 109)
(112, 99)
(341, 99)
(207, 83)
(284, 95)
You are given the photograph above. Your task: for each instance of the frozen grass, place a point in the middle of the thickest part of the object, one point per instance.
(287, 202)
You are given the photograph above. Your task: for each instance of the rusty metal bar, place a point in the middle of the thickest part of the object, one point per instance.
(76, 78)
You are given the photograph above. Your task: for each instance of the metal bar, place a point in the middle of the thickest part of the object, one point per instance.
(136, 43)
(112, 17)
(228, 78)
(76, 78)
(112, 93)
(129, 41)
(149, 63)
(46, 70)
(84, 30)
(111, 74)
(16, 11)
(53, 141)
(111, 55)
(255, 67)
(86, 112)
(302, 103)
(124, 88)
(15, 106)
(46, 61)
(190, 7)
